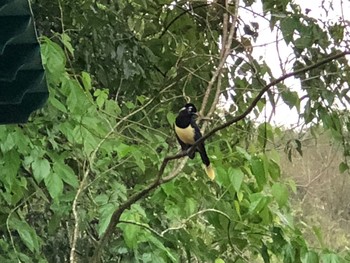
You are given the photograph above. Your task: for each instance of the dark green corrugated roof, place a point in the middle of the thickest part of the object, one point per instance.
(23, 87)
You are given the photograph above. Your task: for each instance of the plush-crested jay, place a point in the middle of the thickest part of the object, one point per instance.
(188, 132)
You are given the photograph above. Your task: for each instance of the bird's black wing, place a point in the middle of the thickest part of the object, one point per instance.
(200, 148)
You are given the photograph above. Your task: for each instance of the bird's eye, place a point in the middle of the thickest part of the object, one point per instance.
(190, 108)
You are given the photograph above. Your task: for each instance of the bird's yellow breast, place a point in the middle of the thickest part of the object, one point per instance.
(186, 134)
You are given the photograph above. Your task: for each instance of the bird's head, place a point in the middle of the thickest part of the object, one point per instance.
(190, 109)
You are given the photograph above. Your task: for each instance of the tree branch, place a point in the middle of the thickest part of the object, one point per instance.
(262, 92)
(225, 51)
(115, 219)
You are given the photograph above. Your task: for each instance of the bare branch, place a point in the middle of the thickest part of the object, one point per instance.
(226, 49)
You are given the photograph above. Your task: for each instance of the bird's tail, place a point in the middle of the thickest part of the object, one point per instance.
(210, 172)
(205, 159)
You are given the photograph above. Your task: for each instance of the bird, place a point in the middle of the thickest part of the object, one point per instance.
(187, 133)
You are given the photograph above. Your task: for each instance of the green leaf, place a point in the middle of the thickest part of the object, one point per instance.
(330, 258)
(120, 53)
(222, 177)
(291, 98)
(77, 101)
(86, 79)
(258, 203)
(288, 253)
(288, 25)
(280, 193)
(54, 60)
(236, 176)
(11, 164)
(26, 233)
(160, 245)
(69, 86)
(101, 97)
(318, 233)
(172, 73)
(131, 23)
(139, 162)
(298, 148)
(190, 206)
(142, 99)
(237, 206)
(244, 153)
(171, 118)
(130, 232)
(106, 211)
(66, 41)
(57, 104)
(139, 28)
(66, 173)
(337, 32)
(67, 130)
(343, 167)
(41, 169)
(7, 144)
(303, 42)
(219, 260)
(130, 105)
(274, 170)
(112, 108)
(265, 134)
(265, 254)
(54, 185)
(258, 170)
(123, 149)
(310, 257)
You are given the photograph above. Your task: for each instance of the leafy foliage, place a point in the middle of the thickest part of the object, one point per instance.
(92, 155)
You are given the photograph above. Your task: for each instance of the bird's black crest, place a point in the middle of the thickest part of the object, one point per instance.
(190, 108)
